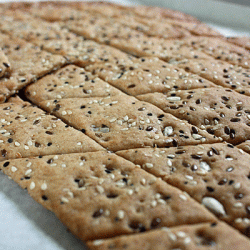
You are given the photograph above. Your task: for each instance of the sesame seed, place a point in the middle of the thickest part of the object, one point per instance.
(100, 189)
(173, 98)
(153, 203)
(29, 164)
(172, 236)
(44, 186)
(149, 165)
(120, 214)
(143, 181)
(196, 136)
(183, 197)
(17, 144)
(213, 205)
(238, 220)
(64, 200)
(181, 234)
(97, 242)
(28, 172)
(32, 185)
(13, 169)
(238, 204)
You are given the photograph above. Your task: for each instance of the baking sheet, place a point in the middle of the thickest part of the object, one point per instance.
(26, 225)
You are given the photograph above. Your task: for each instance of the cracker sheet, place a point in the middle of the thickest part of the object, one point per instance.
(25, 224)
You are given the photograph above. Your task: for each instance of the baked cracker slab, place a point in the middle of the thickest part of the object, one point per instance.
(216, 175)
(28, 131)
(243, 41)
(221, 50)
(57, 40)
(100, 195)
(28, 62)
(219, 72)
(147, 75)
(123, 122)
(219, 111)
(69, 82)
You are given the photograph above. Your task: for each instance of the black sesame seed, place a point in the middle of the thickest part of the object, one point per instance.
(227, 130)
(215, 151)
(149, 128)
(210, 189)
(6, 164)
(235, 120)
(238, 196)
(198, 101)
(186, 165)
(155, 222)
(222, 182)
(98, 213)
(197, 157)
(10, 140)
(194, 168)
(194, 130)
(175, 143)
(3, 152)
(210, 153)
(44, 197)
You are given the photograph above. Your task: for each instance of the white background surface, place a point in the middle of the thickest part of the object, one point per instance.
(26, 225)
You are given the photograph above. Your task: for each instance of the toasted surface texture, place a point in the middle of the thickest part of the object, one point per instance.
(69, 82)
(109, 195)
(29, 131)
(216, 175)
(123, 122)
(28, 62)
(202, 236)
(147, 75)
(219, 111)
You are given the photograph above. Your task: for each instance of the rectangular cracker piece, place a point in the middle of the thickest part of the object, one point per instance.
(219, 72)
(162, 13)
(69, 82)
(28, 62)
(123, 122)
(53, 12)
(216, 175)
(147, 75)
(243, 41)
(4, 64)
(221, 49)
(102, 29)
(197, 29)
(153, 28)
(28, 131)
(219, 111)
(132, 41)
(166, 50)
(101, 195)
(188, 237)
(57, 40)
